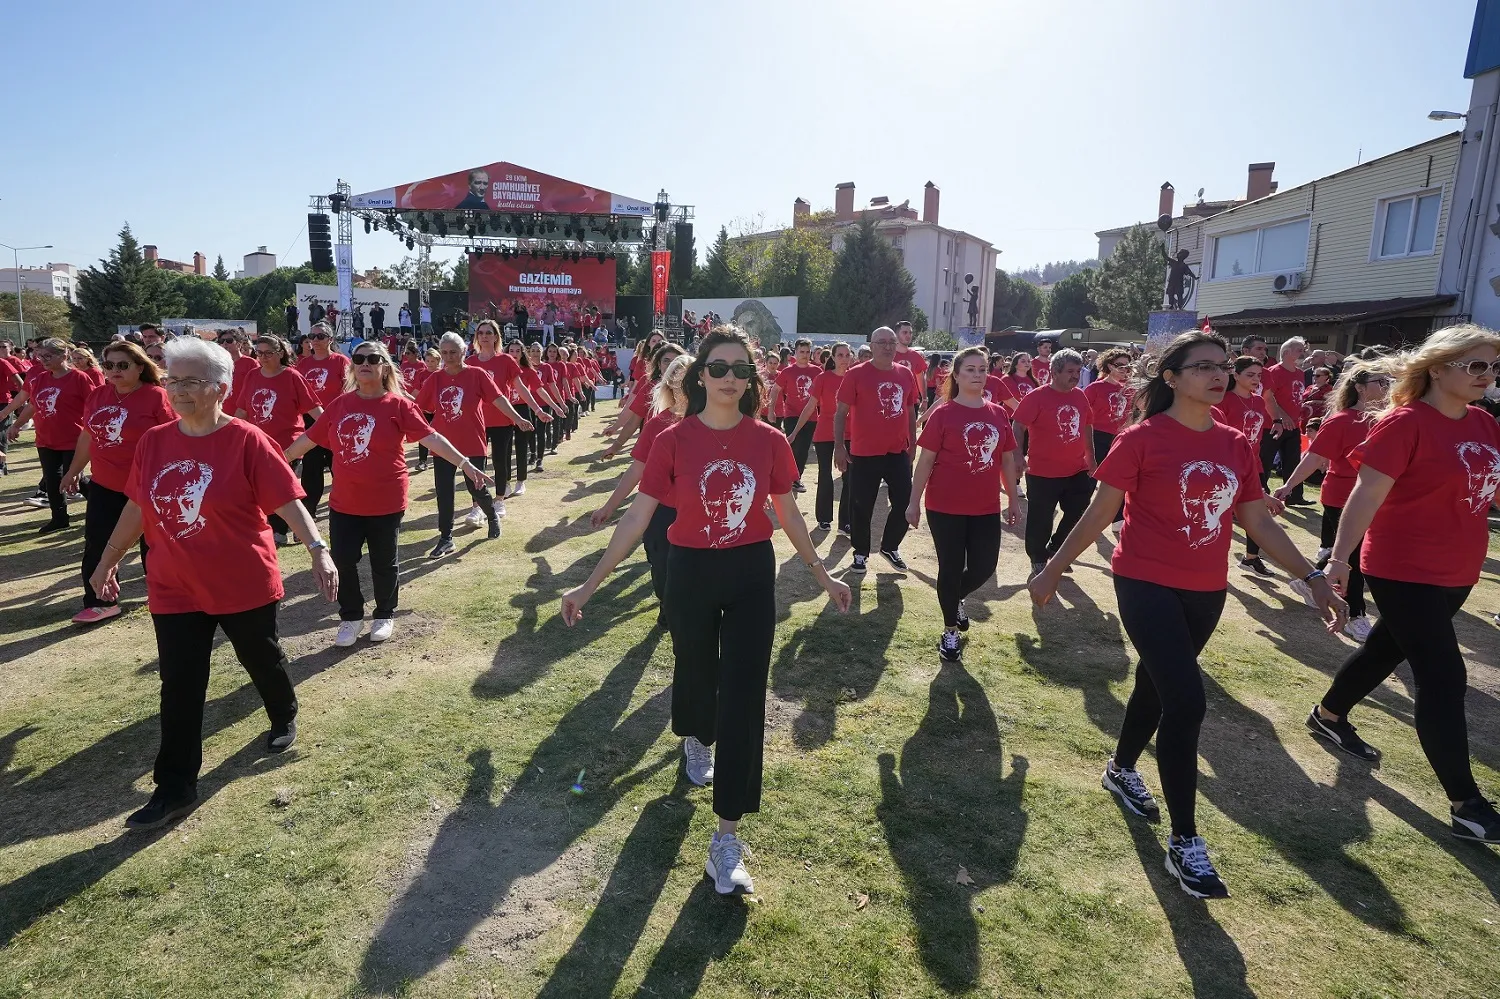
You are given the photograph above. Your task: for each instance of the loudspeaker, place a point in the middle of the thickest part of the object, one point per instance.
(320, 242)
(684, 254)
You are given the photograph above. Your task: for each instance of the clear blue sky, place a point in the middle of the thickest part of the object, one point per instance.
(206, 125)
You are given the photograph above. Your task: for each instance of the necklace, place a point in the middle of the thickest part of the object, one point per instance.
(723, 444)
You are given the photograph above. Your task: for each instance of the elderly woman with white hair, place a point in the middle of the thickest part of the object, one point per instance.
(53, 399)
(1282, 383)
(201, 488)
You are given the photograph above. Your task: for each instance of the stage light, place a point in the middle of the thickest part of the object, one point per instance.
(533, 253)
(410, 245)
(421, 221)
(547, 253)
(612, 234)
(576, 255)
(600, 255)
(442, 225)
(531, 230)
(367, 226)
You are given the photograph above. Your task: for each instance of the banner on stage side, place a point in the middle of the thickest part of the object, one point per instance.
(502, 187)
(661, 264)
(344, 263)
(495, 285)
(769, 320)
(390, 299)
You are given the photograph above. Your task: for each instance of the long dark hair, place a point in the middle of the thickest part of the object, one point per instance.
(692, 382)
(1157, 396)
(833, 352)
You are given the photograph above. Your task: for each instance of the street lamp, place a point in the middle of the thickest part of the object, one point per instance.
(16, 252)
(1445, 115)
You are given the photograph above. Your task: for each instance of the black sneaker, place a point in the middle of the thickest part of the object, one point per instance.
(1299, 501)
(1187, 861)
(963, 617)
(53, 525)
(894, 558)
(443, 547)
(1128, 786)
(858, 565)
(161, 809)
(282, 737)
(948, 647)
(1342, 735)
(1477, 819)
(1036, 570)
(1256, 566)
(846, 531)
(494, 527)
(798, 487)
(824, 526)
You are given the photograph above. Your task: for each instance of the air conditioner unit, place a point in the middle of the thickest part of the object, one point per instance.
(1287, 282)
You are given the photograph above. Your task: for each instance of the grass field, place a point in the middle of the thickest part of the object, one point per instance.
(421, 840)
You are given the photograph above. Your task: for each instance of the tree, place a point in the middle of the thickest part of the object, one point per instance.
(722, 275)
(797, 262)
(221, 273)
(206, 298)
(405, 274)
(919, 322)
(47, 314)
(457, 278)
(1070, 302)
(123, 289)
(937, 340)
(264, 299)
(869, 287)
(1130, 283)
(1018, 304)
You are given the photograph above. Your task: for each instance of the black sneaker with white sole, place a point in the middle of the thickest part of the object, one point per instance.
(1341, 734)
(963, 617)
(442, 548)
(858, 564)
(825, 527)
(894, 558)
(1187, 861)
(948, 647)
(1036, 570)
(1256, 566)
(163, 807)
(1128, 786)
(1476, 819)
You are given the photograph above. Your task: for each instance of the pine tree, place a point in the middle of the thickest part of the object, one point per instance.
(870, 287)
(1130, 283)
(124, 289)
(221, 273)
(722, 275)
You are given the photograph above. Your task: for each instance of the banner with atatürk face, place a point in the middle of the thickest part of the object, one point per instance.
(661, 264)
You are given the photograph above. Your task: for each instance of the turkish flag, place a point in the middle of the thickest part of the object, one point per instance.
(661, 262)
(1207, 325)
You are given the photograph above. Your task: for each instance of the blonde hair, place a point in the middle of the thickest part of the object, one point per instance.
(390, 378)
(83, 358)
(1413, 369)
(669, 393)
(1345, 394)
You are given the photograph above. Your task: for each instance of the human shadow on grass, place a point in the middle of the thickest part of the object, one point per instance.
(706, 930)
(482, 850)
(565, 529)
(950, 807)
(38, 892)
(1081, 646)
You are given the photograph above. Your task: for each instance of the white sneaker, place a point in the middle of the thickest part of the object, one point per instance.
(1304, 591)
(38, 501)
(1358, 628)
(349, 632)
(499, 507)
(518, 489)
(381, 628)
(700, 761)
(726, 865)
(475, 517)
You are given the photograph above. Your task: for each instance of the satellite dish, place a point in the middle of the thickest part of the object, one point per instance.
(1200, 194)
(1164, 223)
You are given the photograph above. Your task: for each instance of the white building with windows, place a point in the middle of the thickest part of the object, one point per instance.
(53, 280)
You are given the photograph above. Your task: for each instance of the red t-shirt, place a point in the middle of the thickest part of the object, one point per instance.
(368, 440)
(1057, 423)
(1247, 415)
(325, 377)
(795, 381)
(10, 368)
(825, 389)
(1182, 487)
(57, 406)
(718, 481)
(1314, 401)
(969, 443)
(1286, 385)
(531, 380)
(1339, 435)
(1109, 405)
(457, 404)
(204, 502)
(242, 367)
(914, 360)
(115, 424)
(1433, 526)
(412, 376)
(640, 401)
(94, 375)
(505, 370)
(637, 366)
(995, 389)
(1015, 387)
(1041, 370)
(882, 402)
(275, 404)
(649, 432)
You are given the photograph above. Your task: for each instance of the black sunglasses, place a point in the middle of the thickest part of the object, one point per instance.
(741, 369)
(319, 336)
(367, 359)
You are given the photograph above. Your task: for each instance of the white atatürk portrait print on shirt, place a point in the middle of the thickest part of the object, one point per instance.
(316, 377)
(177, 497)
(980, 440)
(803, 385)
(1482, 463)
(727, 489)
(451, 402)
(353, 434)
(1069, 423)
(1022, 388)
(1296, 388)
(892, 398)
(262, 404)
(1254, 424)
(1208, 490)
(45, 402)
(1118, 402)
(107, 426)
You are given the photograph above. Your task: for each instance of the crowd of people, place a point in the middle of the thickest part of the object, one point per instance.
(209, 456)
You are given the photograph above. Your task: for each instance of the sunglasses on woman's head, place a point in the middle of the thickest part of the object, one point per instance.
(367, 359)
(741, 369)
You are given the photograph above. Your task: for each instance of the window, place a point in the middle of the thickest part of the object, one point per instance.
(1407, 227)
(1261, 251)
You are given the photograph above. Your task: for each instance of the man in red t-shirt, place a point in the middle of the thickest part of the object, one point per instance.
(793, 383)
(883, 395)
(911, 357)
(1041, 364)
(1282, 389)
(1060, 462)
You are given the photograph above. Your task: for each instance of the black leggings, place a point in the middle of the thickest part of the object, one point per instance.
(865, 475)
(1416, 624)
(1102, 443)
(1355, 596)
(501, 439)
(526, 442)
(100, 515)
(1043, 496)
(422, 448)
(658, 547)
(314, 463)
(348, 536)
(54, 467)
(1168, 628)
(968, 547)
(823, 501)
(721, 608)
(1287, 447)
(442, 482)
(801, 444)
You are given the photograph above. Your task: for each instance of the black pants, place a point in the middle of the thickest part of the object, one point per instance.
(658, 547)
(1288, 448)
(314, 464)
(54, 467)
(1416, 624)
(278, 525)
(422, 448)
(184, 643)
(501, 439)
(442, 482)
(377, 329)
(865, 475)
(1168, 629)
(1355, 593)
(572, 415)
(526, 442)
(721, 608)
(801, 444)
(1044, 496)
(1102, 443)
(968, 549)
(101, 513)
(348, 536)
(823, 499)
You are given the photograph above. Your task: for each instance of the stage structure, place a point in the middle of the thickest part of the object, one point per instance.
(500, 208)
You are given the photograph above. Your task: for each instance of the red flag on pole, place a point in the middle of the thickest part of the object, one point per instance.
(661, 262)
(1207, 325)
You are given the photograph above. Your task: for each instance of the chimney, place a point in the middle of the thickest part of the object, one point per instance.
(1164, 206)
(149, 252)
(930, 203)
(200, 263)
(260, 249)
(800, 210)
(1259, 184)
(843, 201)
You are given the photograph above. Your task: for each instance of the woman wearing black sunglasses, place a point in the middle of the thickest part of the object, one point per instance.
(717, 466)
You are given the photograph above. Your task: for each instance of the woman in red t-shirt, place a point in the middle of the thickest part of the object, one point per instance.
(1315, 397)
(526, 440)
(201, 489)
(366, 430)
(1017, 381)
(966, 458)
(1183, 478)
(1110, 397)
(83, 360)
(115, 416)
(1352, 404)
(640, 400)
(431, 361)
(274, 398)
(1428, 477)
(717, 467)
(1244, 409)
(822, 404)
(498, 429)
(52, 399)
